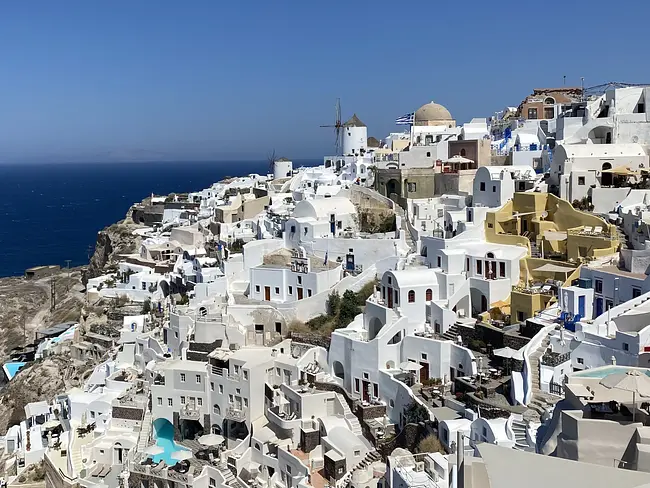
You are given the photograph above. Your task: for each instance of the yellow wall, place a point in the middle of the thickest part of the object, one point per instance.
(528, 304)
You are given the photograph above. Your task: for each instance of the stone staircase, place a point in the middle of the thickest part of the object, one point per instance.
(540, 402)
(230, 479)
(519, 427)
(75, 455)
(534, 251)
(145, 431)
(370, 458)
(451, 334)
(352, 419)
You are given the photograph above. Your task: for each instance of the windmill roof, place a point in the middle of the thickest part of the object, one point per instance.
(283, 159)
(354, 122)
(373, 142)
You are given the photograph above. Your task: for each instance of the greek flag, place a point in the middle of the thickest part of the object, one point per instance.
(405, 119)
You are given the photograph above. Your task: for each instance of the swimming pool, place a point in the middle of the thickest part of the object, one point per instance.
(12, 368)
(605, 371)
(164, 433)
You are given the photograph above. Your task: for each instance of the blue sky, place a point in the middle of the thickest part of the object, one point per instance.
(214, 79)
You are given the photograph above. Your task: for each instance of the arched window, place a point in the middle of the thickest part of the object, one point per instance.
(217, 409)
(429, 295)
(411, 296)
(490, 255)
(463, 152)
(549, 101)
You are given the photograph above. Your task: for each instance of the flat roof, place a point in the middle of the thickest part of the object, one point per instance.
(182, 364)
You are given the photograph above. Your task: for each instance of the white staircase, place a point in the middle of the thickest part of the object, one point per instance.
(352, 419)
(520, 428)
(145, 431)
(370, 458)
(229, 477)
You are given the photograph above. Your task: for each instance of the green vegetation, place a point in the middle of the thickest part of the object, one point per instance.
(430, 444)
(237, 245)
(341, 310)
(146, 306)
(183, 300)
(375, 222)
(416, 413)
(585, 204)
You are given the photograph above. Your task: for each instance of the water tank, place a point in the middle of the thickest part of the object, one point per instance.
(282, 168)
(584, 283)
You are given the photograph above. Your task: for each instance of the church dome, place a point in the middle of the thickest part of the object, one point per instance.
(432, 114)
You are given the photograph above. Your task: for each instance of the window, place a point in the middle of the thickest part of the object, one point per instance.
(502, 270)
(365, 375)
(308, 292)
(411, 296)
(439, 262)
(198, 379)
(230, 398)
(479, 267)
(277, 371)
(293, 229)
(428, 154)
(213, 482)
(424, 356)
(581, 180)
(257, 288)
(391, 402)
(626, 346)
(291, 290)
(277, 290)
(396, 297)
(288, 469)
(494, 189)
(390, 280)
(467, 265)
(199, 402)
(357, 453)
(429, 295)
(549, 112)
(245, 402)
(221, 389)
(640, 108)
(182, 400)
(278, 325)
(532, 113)
(300, 280)
(182, 377)
(482, 186)
(212, 386)
(160, 401)
(549, 101)
(463, 153)
(599, 286)
(520, 316)
(356, 385)
(636, 292)
(411, 187)
(581, 361)
(170, 402)
(245, 374)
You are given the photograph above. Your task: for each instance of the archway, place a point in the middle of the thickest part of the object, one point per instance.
(393, 186)
(606, 179)
(164, 286)
(339, 372)
(423, 251)
(374, 326)
(390, 365)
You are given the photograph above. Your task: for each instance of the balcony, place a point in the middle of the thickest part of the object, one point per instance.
(236, 414)
(190, 412)
(223, 372)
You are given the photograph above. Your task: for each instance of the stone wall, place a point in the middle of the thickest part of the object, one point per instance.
(312, 339)
(128, 413)
(408, 438)
(371, 412)
(309, 440)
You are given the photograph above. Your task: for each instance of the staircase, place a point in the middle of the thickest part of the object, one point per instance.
(75, 454)
(519, 427)
(352, 419)
(229, 477)
(451, 334)
(370, 458)
(145, 431)
(540, 402)
(534, 251)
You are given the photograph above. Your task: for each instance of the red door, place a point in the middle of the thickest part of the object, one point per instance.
(424, 372)
(390, 297)
(267, 293)
(366, 389)
(299, 293)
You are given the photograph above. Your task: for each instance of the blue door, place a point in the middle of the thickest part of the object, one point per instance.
(599, 307)
(581, 306)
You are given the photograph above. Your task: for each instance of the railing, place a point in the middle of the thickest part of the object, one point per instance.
(190, 411)
(533, 291)
(225, 373)
(237, 414)
(555, 389)
(555, 359)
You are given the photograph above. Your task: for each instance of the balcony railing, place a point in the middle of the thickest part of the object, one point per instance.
(236, 414)
(225, 373)
(190, 412)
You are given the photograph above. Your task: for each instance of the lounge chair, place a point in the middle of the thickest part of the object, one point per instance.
(587, 229)
(598, 229)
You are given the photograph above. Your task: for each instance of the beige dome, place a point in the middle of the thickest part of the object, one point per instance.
(432, 114)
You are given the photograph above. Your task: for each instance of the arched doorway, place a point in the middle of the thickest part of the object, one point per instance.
(339, 372)
(374, 327)
(606, 179)
(393, 186)
(484, 304)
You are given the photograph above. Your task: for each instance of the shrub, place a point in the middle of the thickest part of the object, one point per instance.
(416, 413)
(349, 308)
(146, 306)
(430, 444)
(333, 304)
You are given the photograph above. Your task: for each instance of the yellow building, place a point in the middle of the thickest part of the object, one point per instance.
(558, 238)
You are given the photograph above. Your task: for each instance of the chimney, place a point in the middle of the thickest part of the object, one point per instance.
(460, 460)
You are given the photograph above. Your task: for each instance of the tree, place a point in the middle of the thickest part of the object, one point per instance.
(333, 304)
(348, 308)
(146, 306)
(416, 413)
(430, 444)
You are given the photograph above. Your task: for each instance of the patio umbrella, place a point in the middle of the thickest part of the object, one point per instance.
(410, 366)
(632, 380)
(211, 440)
(51, 424)
(182, 455)
(154, 450)
(621, 171)
(508, 353)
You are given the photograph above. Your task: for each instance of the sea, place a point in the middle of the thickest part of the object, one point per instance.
(51, 213)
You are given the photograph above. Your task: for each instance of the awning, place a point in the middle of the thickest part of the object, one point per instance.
(554, 268)
(621, 171)
(458, 159)
(410, 366)
(552, 235)
(508, 353)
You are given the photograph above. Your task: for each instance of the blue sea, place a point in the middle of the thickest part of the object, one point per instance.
(52, 212)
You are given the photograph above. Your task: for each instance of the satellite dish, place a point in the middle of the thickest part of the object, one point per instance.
(544, 214)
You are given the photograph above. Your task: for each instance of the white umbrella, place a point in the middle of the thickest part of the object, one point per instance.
(154, 450)
(182, 455)
(632, 380)
(410, 366)
(508, 353)
(211, 440)
(51, 424)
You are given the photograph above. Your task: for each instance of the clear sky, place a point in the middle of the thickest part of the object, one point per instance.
(217, 79)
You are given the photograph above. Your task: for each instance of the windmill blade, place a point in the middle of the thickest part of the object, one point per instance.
(338, 112)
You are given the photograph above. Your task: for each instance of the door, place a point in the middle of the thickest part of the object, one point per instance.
(581, 306)
(389, 291)
(330, 407)
(424, 372)
(267, 293)
(299, 293)
(599, 307)
(366, 390)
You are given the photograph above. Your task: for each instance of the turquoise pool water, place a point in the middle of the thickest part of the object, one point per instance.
(12, 368)
(604, 371)
(164, 432)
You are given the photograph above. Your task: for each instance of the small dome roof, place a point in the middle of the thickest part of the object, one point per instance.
(354, 122)
(432, 112)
